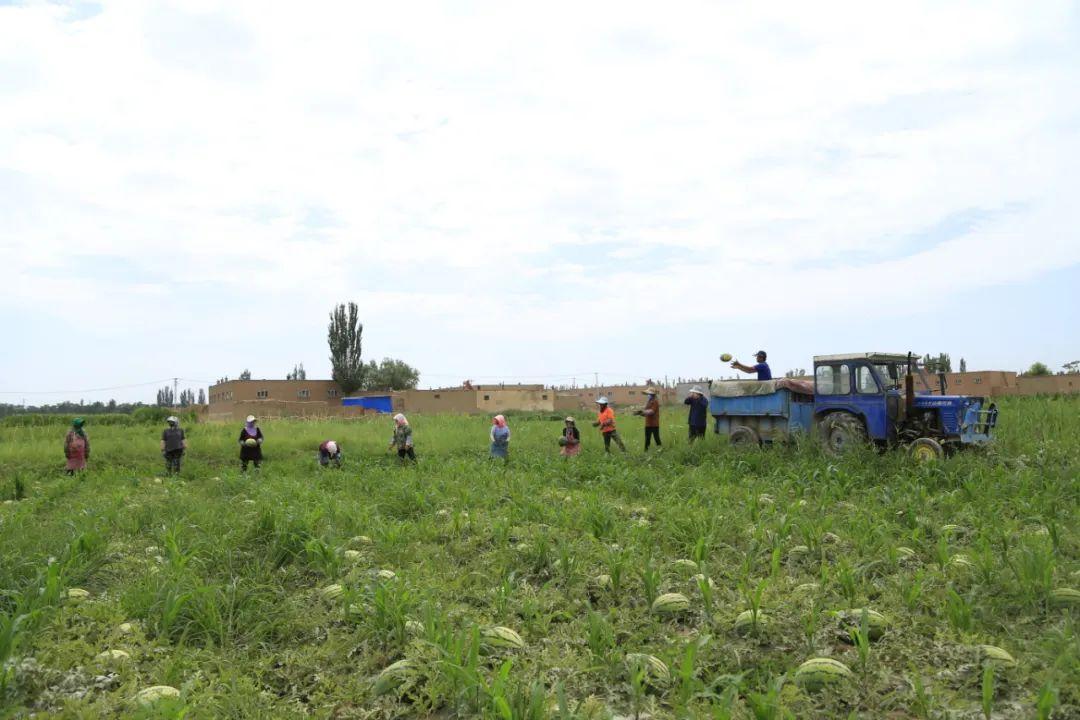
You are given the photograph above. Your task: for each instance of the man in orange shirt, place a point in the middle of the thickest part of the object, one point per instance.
(605, 420)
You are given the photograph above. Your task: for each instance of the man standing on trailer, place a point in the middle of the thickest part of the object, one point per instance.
(761, 368)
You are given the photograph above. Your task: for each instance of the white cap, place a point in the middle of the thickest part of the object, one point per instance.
(569, 419)
(172, 419)
(697, 390)
(331, 447)
(250, 418)
(602, 400)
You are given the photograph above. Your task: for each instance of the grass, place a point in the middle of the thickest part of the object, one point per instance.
(220, 575)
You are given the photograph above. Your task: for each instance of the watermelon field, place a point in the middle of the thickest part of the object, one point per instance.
(695, 582)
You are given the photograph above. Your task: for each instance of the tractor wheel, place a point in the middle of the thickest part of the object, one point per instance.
(926, 450)
(841, 432)
(743, 437)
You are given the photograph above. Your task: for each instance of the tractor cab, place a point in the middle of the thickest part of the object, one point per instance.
(888, 398)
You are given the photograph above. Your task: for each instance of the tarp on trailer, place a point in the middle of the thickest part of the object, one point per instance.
(378, 403)
(749, 388)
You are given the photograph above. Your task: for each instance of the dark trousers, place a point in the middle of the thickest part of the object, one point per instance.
(652, 433)
(326, 458)
(696, 431)
(244, 463)
(613, 435)
(403, 452)
(172, 460)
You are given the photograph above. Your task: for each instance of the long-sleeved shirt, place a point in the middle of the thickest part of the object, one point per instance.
(402, 436)
(699, 410)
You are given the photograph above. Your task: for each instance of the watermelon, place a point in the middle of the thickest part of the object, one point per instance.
(386, 575)
(996, 656)
(798, 551)
(112, 657)
(414, 627)
(685, 564)
(1065, 596)
(744, 622)
(332, 592)
(125, 628)
(77, 595)
(501, 637)
(726, 357)
(251, 442)
(876, 624)
(360, 540)
(351, 555)
(151, 695)
(655, 668)
(393, 675)
(602, 582)
(670, 603)
(816, 673)
(697, 580)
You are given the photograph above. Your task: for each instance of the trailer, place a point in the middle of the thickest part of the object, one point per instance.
(752, 412)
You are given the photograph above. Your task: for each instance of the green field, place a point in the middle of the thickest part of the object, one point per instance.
(214, 583)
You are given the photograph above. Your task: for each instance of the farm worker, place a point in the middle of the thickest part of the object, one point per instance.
(500, 438)
(329, 451)
(605, 420)
(251, 439)
(570, 442)
(699, 412)
(761, 367)
(402, 438)
(76, 447)
(651, 411)
(173, 444)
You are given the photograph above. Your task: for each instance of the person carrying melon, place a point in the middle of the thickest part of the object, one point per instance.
(760, 367)
(402, 438)
(500, 438)
(329, 452)
(251, 440)
(570, 441)
(651, 413)
(76, 447)
(699, 413)
(605, 420)
(173, 444)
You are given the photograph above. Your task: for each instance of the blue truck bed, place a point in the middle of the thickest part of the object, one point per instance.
(773, 415)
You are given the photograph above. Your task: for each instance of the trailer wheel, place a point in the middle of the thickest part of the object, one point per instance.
(841, 432)
(744, 437)
(926, 450)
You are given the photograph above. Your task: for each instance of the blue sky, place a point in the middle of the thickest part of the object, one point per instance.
(186, 189)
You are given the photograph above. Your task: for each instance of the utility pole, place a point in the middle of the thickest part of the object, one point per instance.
(596, 379)
(175, 399)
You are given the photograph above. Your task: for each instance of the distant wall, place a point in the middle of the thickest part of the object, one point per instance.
(494, 401)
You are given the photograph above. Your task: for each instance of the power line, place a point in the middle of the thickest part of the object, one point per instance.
(88, 390)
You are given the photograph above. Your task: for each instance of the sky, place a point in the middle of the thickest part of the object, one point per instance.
(537, 192)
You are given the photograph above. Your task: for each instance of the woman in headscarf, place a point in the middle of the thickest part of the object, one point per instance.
(570, 442)
(500, 438)
(251, 439)
(402, 438)
(76, 447)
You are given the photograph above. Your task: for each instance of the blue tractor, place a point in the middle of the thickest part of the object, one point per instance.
(884, 398)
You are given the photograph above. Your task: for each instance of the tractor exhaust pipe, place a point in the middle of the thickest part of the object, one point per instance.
(909, 390)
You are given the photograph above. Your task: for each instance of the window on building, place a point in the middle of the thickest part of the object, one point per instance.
(487, 397)
(978, 381)
(332, 393)
(437, 396)
(303, 394)
(262, 394)
(544, 397)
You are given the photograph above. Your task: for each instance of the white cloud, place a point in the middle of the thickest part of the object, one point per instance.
(495, 164)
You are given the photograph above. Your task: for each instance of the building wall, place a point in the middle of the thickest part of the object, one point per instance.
(285, 390)
(495, 401)
(991, 383)
(1048, 385)
(455, 401)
